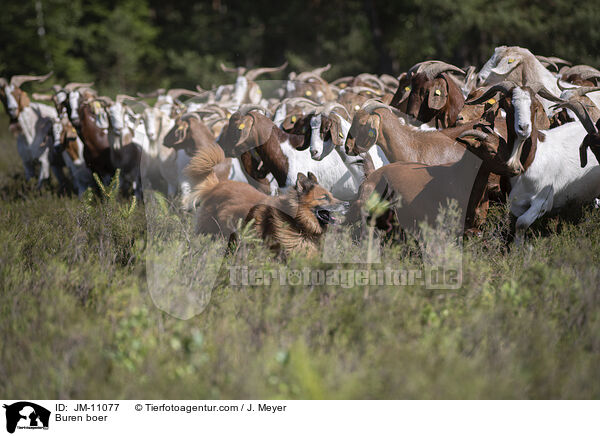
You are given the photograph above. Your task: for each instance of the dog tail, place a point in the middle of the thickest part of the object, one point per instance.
(200, 172)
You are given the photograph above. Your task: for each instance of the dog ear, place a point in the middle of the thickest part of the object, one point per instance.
(303, 184)
(312, 177)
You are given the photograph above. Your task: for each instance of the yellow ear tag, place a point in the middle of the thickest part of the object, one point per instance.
(241, 126)
(228, 116)
(407, 88)
(294, 118)
(438, 92)
(491, 101)
(342, 85)
(181, 127)
(511, 60)
(308, 93)
(371, 133)
(357, 107)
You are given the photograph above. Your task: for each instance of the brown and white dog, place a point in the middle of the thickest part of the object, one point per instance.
(295, 221)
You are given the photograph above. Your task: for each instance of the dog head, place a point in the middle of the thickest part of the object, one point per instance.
(317, 201)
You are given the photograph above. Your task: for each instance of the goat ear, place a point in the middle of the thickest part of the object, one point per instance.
(373, 131)
(290, 121)
(506, 65)
(438, 94)
(244, 125)
(541, 120)
(178, 134)
(337, 136)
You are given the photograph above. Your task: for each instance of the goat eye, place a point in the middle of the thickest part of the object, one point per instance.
(407, 88)
(491, 101)
(511, 60)
(341, 135)
(308, 93)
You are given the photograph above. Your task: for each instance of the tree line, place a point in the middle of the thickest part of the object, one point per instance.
(143, 44)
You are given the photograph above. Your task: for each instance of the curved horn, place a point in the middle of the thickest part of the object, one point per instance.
(239, 70)
(370, 105)
(321, 70)
(17, 81)
(584, 116)
(254, 73)
(121, 97)
(332, 106)
(156, 93)
(211, 123)
(547, 62)
(212, 109)
(244, 109)
(72, 86)
(306, 76)
(476, 133)
(541, 90)
(390, 81)
(178, 92)
(432, 68)
(345, 79)
(105, 99)
(579, 69)
(366, 77)
(41, 97)
(504, 87)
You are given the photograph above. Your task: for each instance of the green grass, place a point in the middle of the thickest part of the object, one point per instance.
(77, 318)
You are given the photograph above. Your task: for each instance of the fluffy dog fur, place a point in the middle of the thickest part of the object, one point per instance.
(295, 221)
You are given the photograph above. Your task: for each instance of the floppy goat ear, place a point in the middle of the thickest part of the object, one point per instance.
(506, 65)
(373, 130)
(178, 135)
(337, 136)
(244, 125)
(438, 94)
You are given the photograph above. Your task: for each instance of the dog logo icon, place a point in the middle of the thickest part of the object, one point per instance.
(26, 415)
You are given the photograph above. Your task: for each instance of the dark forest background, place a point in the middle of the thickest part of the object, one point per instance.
(143, 44)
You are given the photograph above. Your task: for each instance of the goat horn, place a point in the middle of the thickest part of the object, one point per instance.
(503, 87)
(589, 74)
(584, 116)
(370, 105)
(547, 61)
(244, 109)
(72, 86)
(345, 79)
(390, 81)
(307, 75)
(321, 70)
(239, 70)
(41, 97)
(332, 106)
(432, 68)
(583, 90)
(155, 93)
(17, 81)
(300, 101)
(579, 69)
(105, 100)
(476, 133)
(253, 74)
(120, 97)
(541, 90)
(366, 77)
(211, 123)
(178, 92)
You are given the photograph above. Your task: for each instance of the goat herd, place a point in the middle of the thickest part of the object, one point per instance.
(523, 129)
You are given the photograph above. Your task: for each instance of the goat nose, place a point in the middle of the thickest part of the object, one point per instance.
(523, 127)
